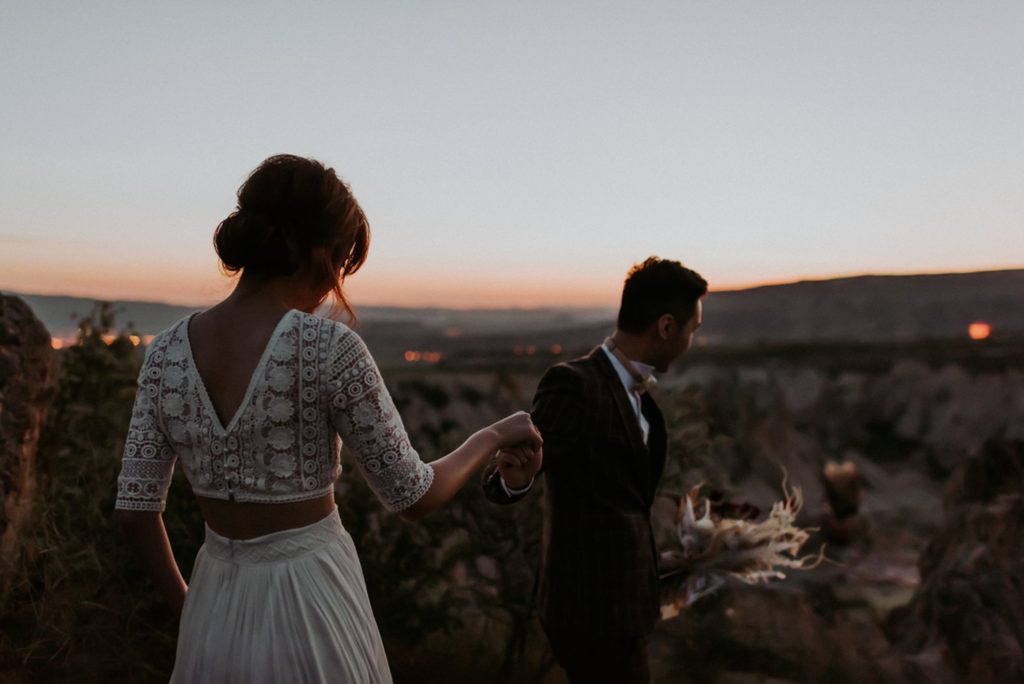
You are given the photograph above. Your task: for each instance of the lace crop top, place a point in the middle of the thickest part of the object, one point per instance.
(315, 382)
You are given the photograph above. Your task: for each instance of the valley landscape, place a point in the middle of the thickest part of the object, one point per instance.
(912, 387)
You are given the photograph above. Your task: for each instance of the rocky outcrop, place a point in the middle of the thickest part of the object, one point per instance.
(929, 587)
(968, 614)
(27, 379)
(759, 634)
(930, 418)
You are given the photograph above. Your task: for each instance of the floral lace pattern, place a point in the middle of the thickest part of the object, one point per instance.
(364, 414)
(315, 381)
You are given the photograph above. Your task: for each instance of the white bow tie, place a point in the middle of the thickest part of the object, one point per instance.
(643, 383)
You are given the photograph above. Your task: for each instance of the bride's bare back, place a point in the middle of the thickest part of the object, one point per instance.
(228, 341)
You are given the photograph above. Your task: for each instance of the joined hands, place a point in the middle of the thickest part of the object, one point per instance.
(518, 465)
(520, 454)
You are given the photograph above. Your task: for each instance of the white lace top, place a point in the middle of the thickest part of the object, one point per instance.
(315, 382)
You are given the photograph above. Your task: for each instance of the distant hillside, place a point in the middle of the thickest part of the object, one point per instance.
(61, 314)
(867, 308)
(870, 308)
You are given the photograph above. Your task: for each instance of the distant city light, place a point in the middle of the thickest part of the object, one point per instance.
(979, 330)
(108, 339)
(56, 343)
(556, 349)
(135, 340)
(413, 356)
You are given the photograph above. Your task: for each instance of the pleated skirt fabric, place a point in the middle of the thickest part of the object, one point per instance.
(285, 607)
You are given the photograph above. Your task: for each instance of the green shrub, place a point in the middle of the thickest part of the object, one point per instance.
(83, 610)
(80, 608)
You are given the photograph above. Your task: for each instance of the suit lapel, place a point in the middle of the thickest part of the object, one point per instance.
(613, 384)
(657, 442)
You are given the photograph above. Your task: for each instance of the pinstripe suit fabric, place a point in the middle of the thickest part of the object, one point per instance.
(598, 574)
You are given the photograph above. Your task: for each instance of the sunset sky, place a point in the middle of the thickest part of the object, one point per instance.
(515, 153)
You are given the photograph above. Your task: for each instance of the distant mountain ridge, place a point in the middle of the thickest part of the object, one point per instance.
(862, 308)
(61, 313)
(871, 308)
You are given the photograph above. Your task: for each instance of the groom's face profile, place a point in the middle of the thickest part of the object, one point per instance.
(676, 335)
(688, 329)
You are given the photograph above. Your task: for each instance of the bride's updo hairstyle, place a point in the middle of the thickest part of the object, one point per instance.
(295, 215)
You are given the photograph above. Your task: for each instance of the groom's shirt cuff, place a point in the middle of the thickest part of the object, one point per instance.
(515, 492)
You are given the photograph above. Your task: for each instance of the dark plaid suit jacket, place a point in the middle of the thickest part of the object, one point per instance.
(598, 571)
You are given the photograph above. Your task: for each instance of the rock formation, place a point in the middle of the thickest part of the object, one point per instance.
(27, 375)
(968, 614)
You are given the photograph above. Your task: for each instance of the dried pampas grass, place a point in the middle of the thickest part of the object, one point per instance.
(713, 548)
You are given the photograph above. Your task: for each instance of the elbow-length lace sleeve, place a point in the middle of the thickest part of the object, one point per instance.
(148, 460)
(365, 416)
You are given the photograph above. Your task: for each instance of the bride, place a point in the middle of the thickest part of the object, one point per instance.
(250, 398)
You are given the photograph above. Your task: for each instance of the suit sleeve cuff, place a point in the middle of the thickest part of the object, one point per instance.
(515, 492)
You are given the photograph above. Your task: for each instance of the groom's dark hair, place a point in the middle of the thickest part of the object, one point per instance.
(657, 287)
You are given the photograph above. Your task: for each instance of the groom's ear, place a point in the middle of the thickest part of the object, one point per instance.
(664, 326)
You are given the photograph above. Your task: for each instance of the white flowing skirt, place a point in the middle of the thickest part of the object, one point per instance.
(285, 607)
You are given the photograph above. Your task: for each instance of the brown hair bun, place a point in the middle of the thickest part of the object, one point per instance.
(295, 214)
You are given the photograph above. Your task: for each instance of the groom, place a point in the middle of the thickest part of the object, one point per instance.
(604, 450)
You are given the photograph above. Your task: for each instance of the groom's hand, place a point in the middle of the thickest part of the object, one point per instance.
(519, 464)
(672, 562)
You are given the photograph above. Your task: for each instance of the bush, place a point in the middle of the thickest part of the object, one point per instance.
(80, 608)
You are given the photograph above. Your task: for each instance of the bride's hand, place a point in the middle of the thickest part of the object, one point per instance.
(518, 465)
(515, 430)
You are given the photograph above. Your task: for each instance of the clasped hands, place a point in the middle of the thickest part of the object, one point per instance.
(520, 453)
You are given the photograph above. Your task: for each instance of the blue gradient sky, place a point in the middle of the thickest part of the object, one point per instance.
(516, 154)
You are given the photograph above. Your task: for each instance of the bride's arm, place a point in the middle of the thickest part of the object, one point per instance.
(147, 538)
(146, 468)
(453, 471)
(365, 416)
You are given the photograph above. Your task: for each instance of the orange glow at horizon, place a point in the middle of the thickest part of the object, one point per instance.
(378, 289)
(979, 330)
(197, 282)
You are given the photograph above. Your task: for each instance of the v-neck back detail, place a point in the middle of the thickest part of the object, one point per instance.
(254, 378)
(314, 382)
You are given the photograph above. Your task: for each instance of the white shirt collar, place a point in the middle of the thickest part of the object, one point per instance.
(645, 370)
(624, 375)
